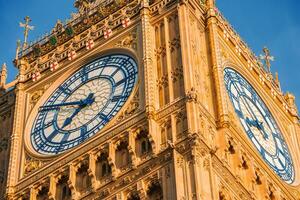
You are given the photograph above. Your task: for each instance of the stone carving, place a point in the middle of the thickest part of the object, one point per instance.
(192, 95)
(35, 96)
(130, 41)
(31, 165)
(131, 108)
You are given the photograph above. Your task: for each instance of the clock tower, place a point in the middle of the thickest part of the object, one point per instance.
(140, 99)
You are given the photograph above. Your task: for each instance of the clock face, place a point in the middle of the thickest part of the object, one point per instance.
(83, 104)
(259, 125)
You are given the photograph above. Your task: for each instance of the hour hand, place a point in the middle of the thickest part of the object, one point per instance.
(252, 122)
(258, 125)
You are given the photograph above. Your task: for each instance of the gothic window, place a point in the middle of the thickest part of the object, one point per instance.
(25, 197)
(244, 163)
(83, 181)
(133, 196)
(166, 132)
(155, 191)
(122, 155)
(63, 191)
(103, 168)
(143, 145)
(231, 149)
(43, 194)
(257, 178)
(162, 69)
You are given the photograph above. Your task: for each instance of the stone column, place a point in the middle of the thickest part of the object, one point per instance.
(168, 56)
(188, 72)
(221, 102)
(17, 133)
(150, 74)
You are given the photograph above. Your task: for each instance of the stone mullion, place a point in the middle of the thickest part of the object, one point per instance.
(131, 148)
(179, 176)
(195, 162)
(33, 193)
(189, 83)
(52, 187)
(72, 181)
(174, 128)
(164, 184)
(112, 159)
(92, 170)
(219, 86)
(168, 57)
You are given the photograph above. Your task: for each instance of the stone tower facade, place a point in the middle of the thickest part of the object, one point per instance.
(177, 136)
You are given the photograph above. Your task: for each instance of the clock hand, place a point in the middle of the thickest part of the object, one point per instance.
(262, 128)
(258, 125)
(56, 106)
(251, 122)
(90, 99)
(86, 102)
(69, 119)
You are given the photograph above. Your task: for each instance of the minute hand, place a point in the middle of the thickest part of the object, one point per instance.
(55, 106)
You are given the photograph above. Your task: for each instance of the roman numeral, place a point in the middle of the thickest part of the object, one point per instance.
(84, 75)
(103, 117)
(65, 137)
(67, 91)
(117, 98)
(115, 72)
(239, 113)
(120, 82)
(43, 127)
(83, 130)
(52, 135)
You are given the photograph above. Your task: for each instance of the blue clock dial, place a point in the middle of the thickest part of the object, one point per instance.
(259, 125)
(83, 104)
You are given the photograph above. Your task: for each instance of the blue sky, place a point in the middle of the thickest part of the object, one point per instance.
(271, 23)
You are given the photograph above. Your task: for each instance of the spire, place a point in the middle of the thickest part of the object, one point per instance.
(3, 75)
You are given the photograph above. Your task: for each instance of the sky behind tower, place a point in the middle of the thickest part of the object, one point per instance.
(271, 23)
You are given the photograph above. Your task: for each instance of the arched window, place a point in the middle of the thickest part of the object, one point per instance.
(133, 196)
(143, 144)
(63, 191)
(155, 191)
(103, 168)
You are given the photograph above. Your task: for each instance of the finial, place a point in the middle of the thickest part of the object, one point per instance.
(210, 3)
(18, 49)
(3, 75)
(27, 28)
(277, 81)
(267, 58)
(83, 6)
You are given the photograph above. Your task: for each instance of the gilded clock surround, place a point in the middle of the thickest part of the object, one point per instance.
(177, 131)
(101, 68)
